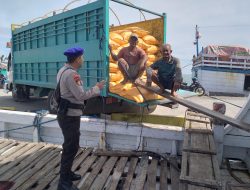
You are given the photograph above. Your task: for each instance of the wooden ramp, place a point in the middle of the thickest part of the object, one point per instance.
(196, 107)
(36, 166)
(200, 168)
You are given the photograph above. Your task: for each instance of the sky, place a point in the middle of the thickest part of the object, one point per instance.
(221, 22)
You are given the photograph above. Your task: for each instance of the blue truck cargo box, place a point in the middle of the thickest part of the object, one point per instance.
(38, 47)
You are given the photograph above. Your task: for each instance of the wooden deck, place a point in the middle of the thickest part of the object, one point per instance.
(36, 166)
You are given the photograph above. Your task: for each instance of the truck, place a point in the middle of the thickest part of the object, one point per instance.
(37, 53)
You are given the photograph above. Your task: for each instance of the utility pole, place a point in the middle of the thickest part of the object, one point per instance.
(197, 36)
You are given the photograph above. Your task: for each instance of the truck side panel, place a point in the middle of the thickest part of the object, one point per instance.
(38, 47)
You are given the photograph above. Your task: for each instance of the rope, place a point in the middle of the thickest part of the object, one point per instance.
(72, 3)
(24, 127)
(37, 122)
(141, 118)
(103, 39)
(115, 15)
(139, 9)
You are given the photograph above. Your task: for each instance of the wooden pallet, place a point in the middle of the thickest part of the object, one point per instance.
(36, 166)
(198, 137)
(200, 168)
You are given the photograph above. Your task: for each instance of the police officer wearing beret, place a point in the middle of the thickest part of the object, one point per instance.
(70, 109)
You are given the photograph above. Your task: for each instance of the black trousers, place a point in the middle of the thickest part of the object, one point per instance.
(70, 127)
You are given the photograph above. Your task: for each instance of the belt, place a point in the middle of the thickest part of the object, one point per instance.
(72, 105)
(75, 106)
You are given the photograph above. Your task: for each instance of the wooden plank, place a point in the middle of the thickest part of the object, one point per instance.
(29, 173)
(196, 143)
(54, 183)
(198, 125)
(164, 175)
(216, 168)
(200, 166)
(230, 186)
(41, 172)
(81, 158)
(5, 143)
(12, 151)
(191, 113)
(197, 120)
(194, 187)
(212, 143)
(195, 150)
(201, 183)
(142, 174)
(25, 164)
(175, 175)
(184, 165)
(117, 174)
(202, 131)
(199, 141)
(130, 174)
(198, 169)
(101, 178)
(43, 182)
(25, 154)
(152, 172)
(89, 180)
(86, 165)
(199, 108)
(48, 179)
(118, 153)
(197, 116)
(4, 149)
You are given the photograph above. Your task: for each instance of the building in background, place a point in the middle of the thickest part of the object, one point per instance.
(223, 70)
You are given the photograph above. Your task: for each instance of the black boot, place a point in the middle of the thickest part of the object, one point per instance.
(66, 185)
(75, 177)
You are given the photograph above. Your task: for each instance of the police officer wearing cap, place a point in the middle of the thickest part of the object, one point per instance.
(70, 109)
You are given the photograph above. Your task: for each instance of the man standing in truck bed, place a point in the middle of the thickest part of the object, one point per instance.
(169, 75)
(70, 109)
(131, 60)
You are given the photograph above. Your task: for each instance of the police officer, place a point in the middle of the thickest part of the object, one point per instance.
(70, 109)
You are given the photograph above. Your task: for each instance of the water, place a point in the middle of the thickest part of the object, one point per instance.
(187, 78)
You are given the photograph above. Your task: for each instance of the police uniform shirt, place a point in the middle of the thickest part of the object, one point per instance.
(71, 89)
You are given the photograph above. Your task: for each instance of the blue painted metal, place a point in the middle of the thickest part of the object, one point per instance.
(38, 47)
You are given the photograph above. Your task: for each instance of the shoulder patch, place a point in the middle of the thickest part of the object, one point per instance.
(76, 77)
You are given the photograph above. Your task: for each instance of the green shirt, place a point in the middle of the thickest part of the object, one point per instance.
(168, 70)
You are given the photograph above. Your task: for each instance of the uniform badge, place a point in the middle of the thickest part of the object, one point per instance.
(77, 79)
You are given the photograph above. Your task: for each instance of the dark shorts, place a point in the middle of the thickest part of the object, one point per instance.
(167, 83)
(132, 69)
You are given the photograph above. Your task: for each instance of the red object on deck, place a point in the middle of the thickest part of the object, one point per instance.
(6, 185)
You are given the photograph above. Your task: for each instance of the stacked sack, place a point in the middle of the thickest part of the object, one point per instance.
(118, 40)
